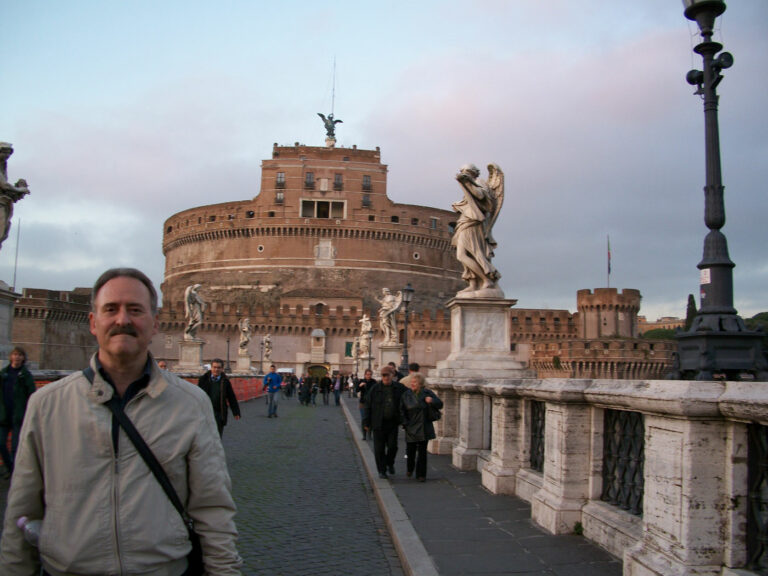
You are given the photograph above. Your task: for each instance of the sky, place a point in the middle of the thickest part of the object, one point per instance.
(124, 113)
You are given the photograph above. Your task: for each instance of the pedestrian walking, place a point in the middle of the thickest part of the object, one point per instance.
(382, 416)
(272, 384)
(417, 412)
(16, 386)
(219, 389)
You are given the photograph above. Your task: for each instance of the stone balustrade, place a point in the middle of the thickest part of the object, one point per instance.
(685, 470)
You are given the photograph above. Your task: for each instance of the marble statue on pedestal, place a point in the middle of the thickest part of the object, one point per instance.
(245, 332)
(473, 237)
(365, 327)
(387, 314)
(194, 306)
(9, 193)
(267, 341)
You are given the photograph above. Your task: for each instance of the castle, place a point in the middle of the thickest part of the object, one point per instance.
(308, 256)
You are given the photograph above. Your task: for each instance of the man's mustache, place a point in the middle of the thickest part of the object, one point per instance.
(126, 329)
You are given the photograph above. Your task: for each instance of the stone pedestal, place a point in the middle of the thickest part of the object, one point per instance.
(190, 356)
(390, 353)
(480, 336)
(7, 302)
(243, 360)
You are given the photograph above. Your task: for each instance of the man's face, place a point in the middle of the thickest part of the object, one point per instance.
(386, 378)
(368, 374)
(16, 359)
(272, 369)
(216, 369)
(122, 320)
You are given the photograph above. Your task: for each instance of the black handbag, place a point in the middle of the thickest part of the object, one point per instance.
(195, 565)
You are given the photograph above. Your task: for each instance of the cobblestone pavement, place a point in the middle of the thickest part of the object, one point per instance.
(305, 505)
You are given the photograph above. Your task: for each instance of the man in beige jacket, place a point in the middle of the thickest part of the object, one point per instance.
(102, 510)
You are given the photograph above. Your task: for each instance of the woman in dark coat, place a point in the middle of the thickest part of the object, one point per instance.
(416, 406)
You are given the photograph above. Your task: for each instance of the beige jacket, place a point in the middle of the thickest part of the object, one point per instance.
(108, 515)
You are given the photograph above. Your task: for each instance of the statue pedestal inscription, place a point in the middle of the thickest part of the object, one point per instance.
(480, 336)
(389, 353)
(190, 356)
(243, 361)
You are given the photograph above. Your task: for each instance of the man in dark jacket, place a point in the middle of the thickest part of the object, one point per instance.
(382, 416)
(219, 389)
(363, 386)
(16, 386)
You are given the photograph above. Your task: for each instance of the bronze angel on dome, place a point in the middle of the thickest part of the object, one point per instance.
(330, 124)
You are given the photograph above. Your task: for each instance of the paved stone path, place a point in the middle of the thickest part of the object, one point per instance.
(305, 505)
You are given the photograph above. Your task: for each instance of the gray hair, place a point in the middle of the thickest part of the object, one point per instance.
(113, 273)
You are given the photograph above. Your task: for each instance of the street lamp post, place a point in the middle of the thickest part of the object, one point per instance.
(228, 368)
(370, 350)
(261, 356)
(718, 341)
(407, 297)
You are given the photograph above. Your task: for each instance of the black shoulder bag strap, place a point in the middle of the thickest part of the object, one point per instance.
(155, 467)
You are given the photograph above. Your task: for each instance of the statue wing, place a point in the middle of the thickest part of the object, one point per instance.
(496, 187)
(186, 301)
(338, 121)
(398, 300)
(322, 116)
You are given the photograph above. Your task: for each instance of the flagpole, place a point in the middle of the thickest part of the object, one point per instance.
(608, 239)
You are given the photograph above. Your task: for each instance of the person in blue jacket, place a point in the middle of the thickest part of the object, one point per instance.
(272, 384)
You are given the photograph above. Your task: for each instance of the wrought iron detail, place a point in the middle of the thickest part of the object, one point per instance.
(757, 499)
(538, 413)
(623, 460)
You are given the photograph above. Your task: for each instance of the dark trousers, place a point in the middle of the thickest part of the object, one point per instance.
(8, 457)
(385, 445)
(416, 453)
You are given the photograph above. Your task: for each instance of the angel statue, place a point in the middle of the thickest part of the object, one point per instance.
(472, 237)
(365, 328)
(194, 306)
(9, 193)
(330, 124)
(267, 341)
(387, 314)
(245, 332)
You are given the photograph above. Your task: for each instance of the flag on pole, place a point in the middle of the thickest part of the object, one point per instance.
(609, 261)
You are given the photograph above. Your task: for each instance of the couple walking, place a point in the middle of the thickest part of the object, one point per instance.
(388, 405)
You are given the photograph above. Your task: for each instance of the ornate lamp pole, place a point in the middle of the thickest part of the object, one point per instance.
(228, 368)
(407, 297)
(370, 350)
(718, 341)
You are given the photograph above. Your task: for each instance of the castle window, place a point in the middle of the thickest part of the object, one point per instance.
(433, 223)
(371, 218)
(366, 200)
(250, 214)
(212, 218)
(414, 221)
(260, 248)
(338, 183)
(416, 255)
(279, 197)
(309, 180)
(366, 183)
(169, 229)
(271, 214)
(345, 159)
(322, 209)
(280, 180)
(395, 219)
(231, 216)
